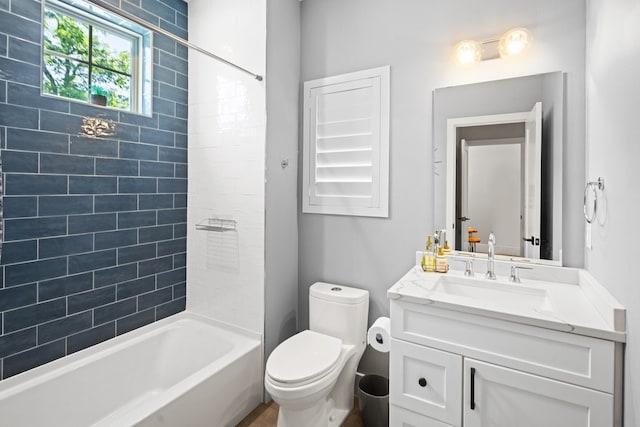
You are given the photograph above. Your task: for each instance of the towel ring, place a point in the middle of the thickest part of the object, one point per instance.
(594, 186)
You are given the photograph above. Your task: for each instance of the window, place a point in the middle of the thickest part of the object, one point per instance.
(346, 144)
(88, 57)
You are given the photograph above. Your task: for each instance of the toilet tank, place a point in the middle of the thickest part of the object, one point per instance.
(339, 311)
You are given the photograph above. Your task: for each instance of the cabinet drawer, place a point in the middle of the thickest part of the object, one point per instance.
(426, 381)
(400, 417)
(576, 359)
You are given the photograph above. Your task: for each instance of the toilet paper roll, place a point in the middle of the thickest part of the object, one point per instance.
(379, 334)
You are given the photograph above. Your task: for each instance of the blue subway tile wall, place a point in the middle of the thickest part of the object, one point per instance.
(95, 228)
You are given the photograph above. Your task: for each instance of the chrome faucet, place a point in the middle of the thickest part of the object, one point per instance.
(490, 257)
(514, 276)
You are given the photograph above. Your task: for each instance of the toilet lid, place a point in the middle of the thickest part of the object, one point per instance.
(304, 356)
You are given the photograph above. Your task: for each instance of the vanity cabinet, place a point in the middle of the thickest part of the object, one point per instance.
(461, 369)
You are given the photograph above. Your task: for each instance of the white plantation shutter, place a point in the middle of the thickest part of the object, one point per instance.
(346, 144)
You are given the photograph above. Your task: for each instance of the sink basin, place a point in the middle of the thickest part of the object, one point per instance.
(488, 292)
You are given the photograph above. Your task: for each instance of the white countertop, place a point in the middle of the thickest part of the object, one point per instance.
(572, 300)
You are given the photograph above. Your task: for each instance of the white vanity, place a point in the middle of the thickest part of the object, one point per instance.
(467, 351)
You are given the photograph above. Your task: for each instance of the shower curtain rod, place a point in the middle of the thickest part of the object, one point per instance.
(165, 33)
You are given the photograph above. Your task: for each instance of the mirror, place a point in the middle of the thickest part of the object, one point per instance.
(498, 164)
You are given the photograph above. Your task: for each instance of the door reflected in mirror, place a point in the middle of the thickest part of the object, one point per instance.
(503, 165)
(497, 182)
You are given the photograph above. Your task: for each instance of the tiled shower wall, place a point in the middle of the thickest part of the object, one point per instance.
(95, 228)
(227, 121)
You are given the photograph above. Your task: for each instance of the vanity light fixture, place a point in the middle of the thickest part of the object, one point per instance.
(468, 52)
(513, 42)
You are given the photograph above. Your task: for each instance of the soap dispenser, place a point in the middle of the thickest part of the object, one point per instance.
(442, 265)
(428, 259)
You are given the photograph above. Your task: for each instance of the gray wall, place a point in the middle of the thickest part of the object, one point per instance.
(282, 77)
(416, 38)
(613, 67)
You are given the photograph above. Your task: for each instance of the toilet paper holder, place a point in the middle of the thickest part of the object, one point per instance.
(379, 339)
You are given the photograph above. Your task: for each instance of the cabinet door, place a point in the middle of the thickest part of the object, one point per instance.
(501, 397)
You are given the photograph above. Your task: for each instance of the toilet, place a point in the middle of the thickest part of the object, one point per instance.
(311, 375)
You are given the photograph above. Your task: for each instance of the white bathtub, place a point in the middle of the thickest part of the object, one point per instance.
(183, 371)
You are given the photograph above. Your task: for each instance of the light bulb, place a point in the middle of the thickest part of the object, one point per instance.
(468, 52)
(514, 41)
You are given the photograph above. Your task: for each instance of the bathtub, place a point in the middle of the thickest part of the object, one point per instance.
(184, 370)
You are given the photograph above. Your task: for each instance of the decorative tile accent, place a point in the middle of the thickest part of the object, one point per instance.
(95, 127)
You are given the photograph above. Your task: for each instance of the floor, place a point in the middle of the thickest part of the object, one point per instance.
(266, 415)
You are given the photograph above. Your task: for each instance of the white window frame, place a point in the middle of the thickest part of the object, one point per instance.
(141, 90)
(376, 202)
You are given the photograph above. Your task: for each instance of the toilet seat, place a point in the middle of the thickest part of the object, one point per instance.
(303, 358)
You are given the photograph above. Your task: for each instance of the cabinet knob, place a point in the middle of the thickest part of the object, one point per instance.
(422, 382)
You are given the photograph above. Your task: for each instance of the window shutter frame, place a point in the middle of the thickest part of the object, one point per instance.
(344, 177)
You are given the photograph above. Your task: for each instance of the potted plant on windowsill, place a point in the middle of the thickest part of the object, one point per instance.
(98, 96)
